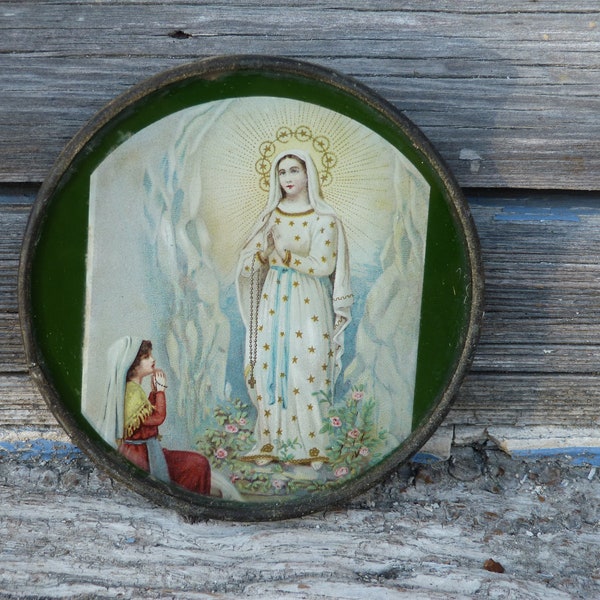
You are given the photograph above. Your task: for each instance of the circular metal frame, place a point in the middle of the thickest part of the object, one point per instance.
(50, 378)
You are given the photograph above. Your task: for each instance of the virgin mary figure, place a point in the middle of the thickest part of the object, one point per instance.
(294, 295)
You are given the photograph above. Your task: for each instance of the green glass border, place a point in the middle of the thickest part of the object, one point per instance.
(55, 279)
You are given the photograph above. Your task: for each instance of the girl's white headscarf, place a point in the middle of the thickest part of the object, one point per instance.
(342, 293)
(119, 358)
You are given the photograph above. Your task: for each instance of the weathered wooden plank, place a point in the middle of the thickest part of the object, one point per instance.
(69, 531)
(443, 6)
(485, 399)
(12, 355)
(542, 276)
(526, 399)
(537, 362)
(506, 91)
(22, 404)
(540, 439)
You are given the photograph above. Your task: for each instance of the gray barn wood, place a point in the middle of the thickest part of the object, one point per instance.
(506, 90)
(509, 92)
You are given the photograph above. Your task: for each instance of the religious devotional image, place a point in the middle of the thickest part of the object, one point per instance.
(263, 259)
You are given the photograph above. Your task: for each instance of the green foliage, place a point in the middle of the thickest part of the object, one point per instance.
(355, 444)
(355, 441)
(226, 445)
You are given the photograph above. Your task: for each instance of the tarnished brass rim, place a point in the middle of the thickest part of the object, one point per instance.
(186, 502)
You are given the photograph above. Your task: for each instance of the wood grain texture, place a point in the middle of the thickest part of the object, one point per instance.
(507, 91)
(538, 359)
(68, 531)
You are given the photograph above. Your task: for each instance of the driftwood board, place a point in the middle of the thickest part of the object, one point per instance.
(426, 534)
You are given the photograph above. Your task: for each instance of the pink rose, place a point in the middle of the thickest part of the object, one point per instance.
(336, 421)
(354, 433)
(242, 421)
(364, 451)
(357, 395)
(221, 453)
(231, 428)
(277, 484)
(341, 471)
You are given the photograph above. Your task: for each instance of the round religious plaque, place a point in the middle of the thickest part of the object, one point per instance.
(250, 288)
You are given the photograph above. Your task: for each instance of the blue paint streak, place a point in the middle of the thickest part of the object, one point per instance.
(41, 449)
(578, 455)
(425, 458)
(537, 213)
(48, 449)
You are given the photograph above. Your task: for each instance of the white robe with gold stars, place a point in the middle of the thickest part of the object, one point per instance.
(294, 345)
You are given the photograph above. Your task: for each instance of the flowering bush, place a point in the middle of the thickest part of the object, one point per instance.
(226, 445)
(355, 444)
(341, 471)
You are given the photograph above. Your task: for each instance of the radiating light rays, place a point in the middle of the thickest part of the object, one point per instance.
(359, 185)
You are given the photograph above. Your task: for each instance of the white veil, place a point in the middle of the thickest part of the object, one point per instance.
(119, 358)
(342, 292)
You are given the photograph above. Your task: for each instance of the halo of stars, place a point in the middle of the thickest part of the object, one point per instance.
(285, 135)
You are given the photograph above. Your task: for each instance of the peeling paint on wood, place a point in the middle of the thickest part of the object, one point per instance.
(68, 531)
